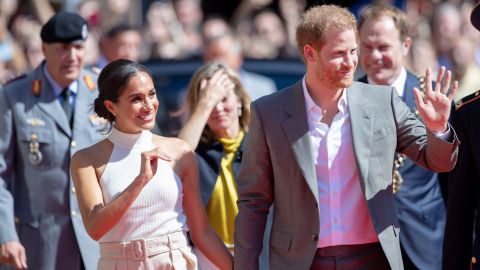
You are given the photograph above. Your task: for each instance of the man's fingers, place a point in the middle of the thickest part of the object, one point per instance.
(451, 95)
(23, 258)
(446, 85)
(428, 82)
(18, 262)
(418, 98)
(438, 82)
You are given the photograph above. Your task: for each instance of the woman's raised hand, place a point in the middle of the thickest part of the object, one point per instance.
(150, 162)
(214, 89)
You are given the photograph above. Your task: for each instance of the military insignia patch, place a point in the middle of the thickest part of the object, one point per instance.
(34, 155)
(36, 87)
(36, 122)
(89, 82)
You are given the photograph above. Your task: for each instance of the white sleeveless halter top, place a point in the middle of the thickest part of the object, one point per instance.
(158, 208)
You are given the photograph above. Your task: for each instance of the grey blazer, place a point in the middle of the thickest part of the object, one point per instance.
(278, 169)
(38, 205)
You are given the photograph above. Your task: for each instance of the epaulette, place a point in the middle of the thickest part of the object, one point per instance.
(467, 99)
(15, 79)
(89, 82)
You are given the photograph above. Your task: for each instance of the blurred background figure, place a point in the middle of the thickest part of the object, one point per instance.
(226, 48)
(121, 42)
(465, 69)
(189, 16)
(12, 59)
(422, 56)
(446, 30)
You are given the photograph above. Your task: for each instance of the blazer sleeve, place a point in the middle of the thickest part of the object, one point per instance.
(255, 195)
(419, 144)
(7, 147)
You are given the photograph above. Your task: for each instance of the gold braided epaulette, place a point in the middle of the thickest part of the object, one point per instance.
(466, 100)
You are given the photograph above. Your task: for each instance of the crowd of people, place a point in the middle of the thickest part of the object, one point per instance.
(368, 168)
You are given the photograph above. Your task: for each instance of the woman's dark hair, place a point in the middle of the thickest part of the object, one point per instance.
(112, 81)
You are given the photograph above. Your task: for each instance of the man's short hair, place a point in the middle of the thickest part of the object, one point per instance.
(398, 16)
(318, 20)
(121, 28)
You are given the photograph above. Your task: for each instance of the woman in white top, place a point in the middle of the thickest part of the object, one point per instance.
(137, 191)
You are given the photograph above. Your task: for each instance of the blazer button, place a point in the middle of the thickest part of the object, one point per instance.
(315, 238)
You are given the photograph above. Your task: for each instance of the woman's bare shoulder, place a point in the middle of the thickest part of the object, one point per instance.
(172, 146)
(96, 154)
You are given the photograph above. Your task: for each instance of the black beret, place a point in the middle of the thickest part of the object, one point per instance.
(65, 27)
(475, 16)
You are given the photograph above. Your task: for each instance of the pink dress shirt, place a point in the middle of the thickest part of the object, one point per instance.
(344, 216)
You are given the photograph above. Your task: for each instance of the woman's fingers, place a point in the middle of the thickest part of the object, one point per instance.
(157, 153)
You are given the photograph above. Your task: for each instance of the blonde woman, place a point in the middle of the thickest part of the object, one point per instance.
(218, 111)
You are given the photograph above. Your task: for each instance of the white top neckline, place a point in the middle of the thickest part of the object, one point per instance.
(129, 140)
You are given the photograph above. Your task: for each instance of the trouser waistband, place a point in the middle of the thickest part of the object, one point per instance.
(140, 249)
(345, 250)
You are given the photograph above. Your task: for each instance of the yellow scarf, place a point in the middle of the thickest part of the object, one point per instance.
(222, 207)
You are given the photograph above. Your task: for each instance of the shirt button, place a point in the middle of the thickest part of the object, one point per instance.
(315, 237)
(74, 213)
(73, 190)
(73, 144)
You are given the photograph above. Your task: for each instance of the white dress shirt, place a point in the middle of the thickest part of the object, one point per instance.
(344, 215)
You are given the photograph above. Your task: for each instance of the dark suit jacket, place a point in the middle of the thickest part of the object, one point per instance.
(464, 186)
(419, 204)
(209, 156)
(278, 169)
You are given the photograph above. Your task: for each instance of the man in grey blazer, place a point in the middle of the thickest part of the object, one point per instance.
(45, 116)
(322, 151)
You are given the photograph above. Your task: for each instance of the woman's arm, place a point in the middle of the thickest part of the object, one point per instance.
(98, 217)
(212, 92)
(204, 237)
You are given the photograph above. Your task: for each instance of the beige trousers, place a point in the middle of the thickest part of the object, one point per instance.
(168, 252)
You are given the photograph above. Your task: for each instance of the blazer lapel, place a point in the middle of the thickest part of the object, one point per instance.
(297, 131)
(49, 104)
(361, 120)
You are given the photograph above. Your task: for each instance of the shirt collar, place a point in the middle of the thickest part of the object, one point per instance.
(313, 108)
(399, 83)
(57, 89)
